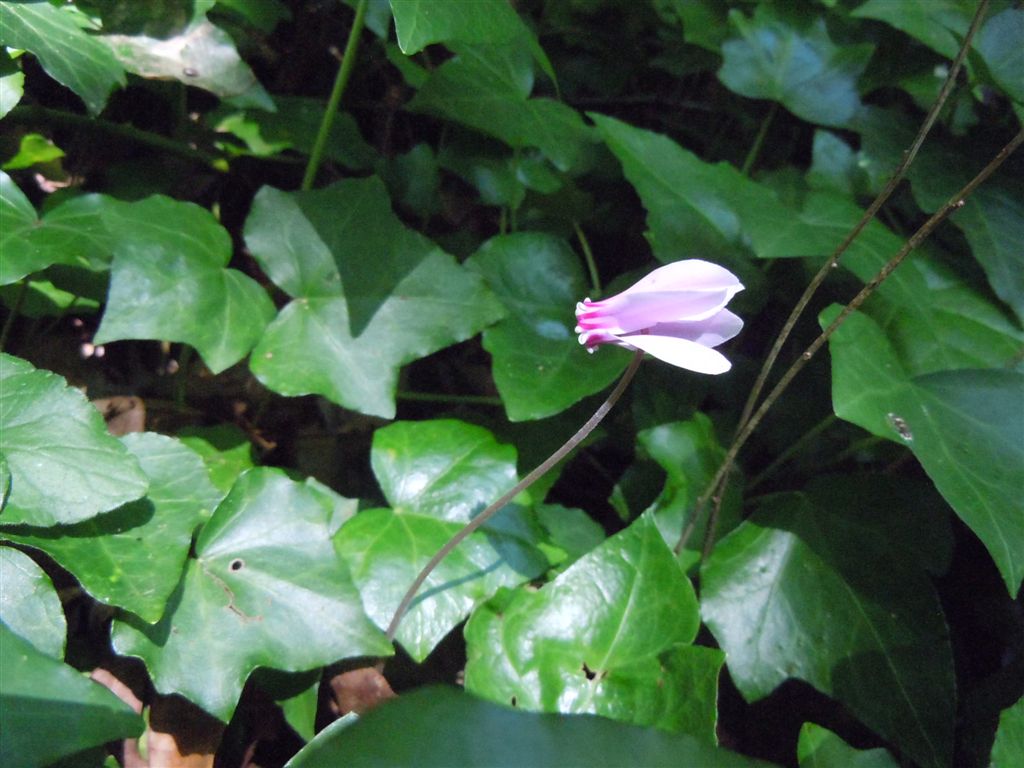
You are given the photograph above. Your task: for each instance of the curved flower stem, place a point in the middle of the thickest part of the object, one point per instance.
(762, 131)
(869, 214)
(522, 485)
(954, 203)
(348, 60)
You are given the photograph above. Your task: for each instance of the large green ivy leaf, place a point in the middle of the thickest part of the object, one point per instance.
(939, 24)
(132, 557)
(820, 748)
(999, 45)
(40, 692)
(539, 367)
(443, 727)
(29, 605)
(64, 466)
(169, 281)
(201, 54)
(437, 475)
(72, 233)
(369, 294)
(488, 88)
(1008, 749)
(610, 636)
(801, 591)
(266, 588)
(71, 56)
(965, 427)
(694, 208)
(794, 63)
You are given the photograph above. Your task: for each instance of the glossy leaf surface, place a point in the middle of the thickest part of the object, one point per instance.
(242, 602)
(58, 39)
(610, 636)
(29, 606)
(64, 466)
(965, 427)
(169, 281)
(40, 689)
(132, 557)
(442, 726)
(539, 366)
(800, 591)
(820, 748)
(438, 475)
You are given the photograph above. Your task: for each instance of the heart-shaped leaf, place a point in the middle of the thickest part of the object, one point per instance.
(169, 281)
(438, 475)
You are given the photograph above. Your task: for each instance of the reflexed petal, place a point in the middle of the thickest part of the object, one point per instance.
(689, 275)
(680, 352)
(709, 332)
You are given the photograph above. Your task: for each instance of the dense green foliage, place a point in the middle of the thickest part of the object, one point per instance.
(263, 355)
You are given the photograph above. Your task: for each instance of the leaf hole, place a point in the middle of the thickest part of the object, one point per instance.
(514, 701)
(237, 564)
(591, 674)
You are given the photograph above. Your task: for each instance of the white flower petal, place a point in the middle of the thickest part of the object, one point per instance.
(710, 332)
(680, 352)
(630, 312)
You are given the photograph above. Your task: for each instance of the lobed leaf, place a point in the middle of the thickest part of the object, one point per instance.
(242, 602)
(29, 606)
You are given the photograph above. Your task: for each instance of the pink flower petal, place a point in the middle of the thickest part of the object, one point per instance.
(628, 311)
(689, 275)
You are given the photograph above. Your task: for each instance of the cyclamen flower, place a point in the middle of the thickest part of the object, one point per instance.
(677, 314)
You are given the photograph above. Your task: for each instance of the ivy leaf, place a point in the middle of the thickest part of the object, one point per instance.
(488, 87)
(798, 66)
(243, 603)
(694, 208)
(965, 427)
(1008, 749)
(64, 466)
(487, 22)
(939, 24)
(29, 605)
(72, 233)
(440, 727)
(999, 45)
(369, 294)
(820, 748)
(132, 557)
(57, 38)
(539, 367)
(608, 636)
(40, 689)
(437, 475)
(224, 448)
(201, 54)
(800, 591)
(169, 281)
(12, 83)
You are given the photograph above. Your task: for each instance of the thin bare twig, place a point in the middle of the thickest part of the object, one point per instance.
(526, 482)
(954, 203)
